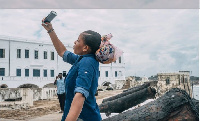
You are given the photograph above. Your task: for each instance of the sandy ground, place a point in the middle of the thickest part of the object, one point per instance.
(45, 109)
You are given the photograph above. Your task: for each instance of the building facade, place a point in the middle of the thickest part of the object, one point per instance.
(38, 63)
(179, 79)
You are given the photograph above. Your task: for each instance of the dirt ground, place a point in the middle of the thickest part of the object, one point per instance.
(44, 107)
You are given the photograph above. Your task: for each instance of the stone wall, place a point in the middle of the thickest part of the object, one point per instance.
(129, 82)
(167, 81)
(24, 97)
(120, 83)
(6, 93)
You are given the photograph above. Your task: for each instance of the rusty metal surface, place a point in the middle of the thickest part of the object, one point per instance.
(120, 104)
(184, 113)
(147, 84)
(167, 107)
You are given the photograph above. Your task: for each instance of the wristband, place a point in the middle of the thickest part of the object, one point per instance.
(50, 30)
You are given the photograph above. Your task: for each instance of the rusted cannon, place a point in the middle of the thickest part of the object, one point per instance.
(175, 105)
(120, 104)
(145, 85)
(125, 93)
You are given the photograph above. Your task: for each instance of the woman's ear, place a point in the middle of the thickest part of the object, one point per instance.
(86, 48)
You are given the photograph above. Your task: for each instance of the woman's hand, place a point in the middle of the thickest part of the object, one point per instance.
(47, 26)
(60, 48)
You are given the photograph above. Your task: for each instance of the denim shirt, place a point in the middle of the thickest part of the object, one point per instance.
(60, 86)
(82, 78)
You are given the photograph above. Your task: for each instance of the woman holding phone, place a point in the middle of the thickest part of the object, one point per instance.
(82, 80)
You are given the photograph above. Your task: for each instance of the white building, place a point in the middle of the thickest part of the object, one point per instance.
(31, 62)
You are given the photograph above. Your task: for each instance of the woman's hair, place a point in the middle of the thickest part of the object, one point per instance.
(92, 39)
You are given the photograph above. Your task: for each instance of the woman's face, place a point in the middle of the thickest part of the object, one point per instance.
(79, 46)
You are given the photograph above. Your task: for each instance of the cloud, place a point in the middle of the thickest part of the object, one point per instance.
(153, 40)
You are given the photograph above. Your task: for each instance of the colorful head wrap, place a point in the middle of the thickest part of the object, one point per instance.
(107, 53)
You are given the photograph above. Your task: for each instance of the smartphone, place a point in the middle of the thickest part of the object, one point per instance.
(50, 17)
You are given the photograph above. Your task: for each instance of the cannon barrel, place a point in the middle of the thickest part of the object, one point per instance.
(120, 104)
(173, 105)
(145, 85)
(125, 93)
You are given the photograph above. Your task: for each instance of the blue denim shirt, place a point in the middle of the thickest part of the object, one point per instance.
(82, 78)
(60, 86)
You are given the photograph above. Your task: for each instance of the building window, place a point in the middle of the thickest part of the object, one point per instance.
(18, 53)
(120, 59)
(2, 71)
(167, 81)
(179, 81)
(64, 73)
(52, 73)
(106, 73)
(186, 80)
(26, 72)
(45, 54)
(18, 72)
(120, 73)
(115, 73)
(36, 54)
(45, 73)
(182, 79)
(36, 72)
(2, 53)
(26, 53)
(99, 73)
(52, 55)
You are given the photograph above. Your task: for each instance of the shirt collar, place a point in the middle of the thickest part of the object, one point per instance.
(88, 55)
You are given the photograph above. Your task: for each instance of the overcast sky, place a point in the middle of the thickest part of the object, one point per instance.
(153, 40)
(133, 4)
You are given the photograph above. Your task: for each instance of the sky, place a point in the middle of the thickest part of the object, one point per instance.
(108, 4)
(153, 40)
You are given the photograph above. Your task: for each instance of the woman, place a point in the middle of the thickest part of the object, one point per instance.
(82, 80)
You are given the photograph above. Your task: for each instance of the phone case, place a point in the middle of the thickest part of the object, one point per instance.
(50, 17)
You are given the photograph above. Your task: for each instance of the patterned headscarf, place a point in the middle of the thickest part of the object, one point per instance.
(107, 53)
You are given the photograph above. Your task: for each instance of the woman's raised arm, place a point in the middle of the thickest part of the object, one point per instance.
(59, 46)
